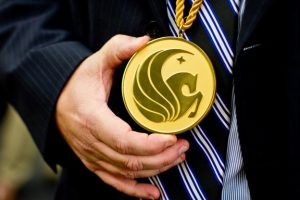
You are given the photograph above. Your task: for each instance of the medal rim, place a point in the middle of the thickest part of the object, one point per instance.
(190, 126)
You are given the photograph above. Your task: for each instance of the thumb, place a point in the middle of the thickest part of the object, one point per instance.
(120, 48)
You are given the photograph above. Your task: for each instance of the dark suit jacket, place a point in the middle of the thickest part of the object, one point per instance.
(43, 41)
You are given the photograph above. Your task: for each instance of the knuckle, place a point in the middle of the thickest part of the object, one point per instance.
(130, 174)
(133, 164)
(121, 146)
(166, 162)
(116, 37)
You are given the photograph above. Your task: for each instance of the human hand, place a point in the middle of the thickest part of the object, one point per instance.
(106, 144)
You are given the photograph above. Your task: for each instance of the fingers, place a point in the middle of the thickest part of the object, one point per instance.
(166, 158)
(123, 184)
(96, 149)
(133, 174)
(103, 63)
(129, 186)
(120, 48)
(125, 141)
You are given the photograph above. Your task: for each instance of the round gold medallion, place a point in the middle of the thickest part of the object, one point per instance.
(169, 85)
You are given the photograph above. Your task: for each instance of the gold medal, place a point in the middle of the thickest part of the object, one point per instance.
(169, 85)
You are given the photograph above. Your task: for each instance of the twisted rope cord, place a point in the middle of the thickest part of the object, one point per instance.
(185, 24)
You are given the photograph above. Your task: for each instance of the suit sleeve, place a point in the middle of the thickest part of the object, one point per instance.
(38, 53)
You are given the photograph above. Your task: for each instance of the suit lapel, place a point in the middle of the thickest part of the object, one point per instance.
(254, 10)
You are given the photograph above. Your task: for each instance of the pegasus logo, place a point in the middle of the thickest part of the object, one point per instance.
(162, 99)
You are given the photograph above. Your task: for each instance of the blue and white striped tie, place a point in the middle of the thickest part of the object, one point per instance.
(201, 175)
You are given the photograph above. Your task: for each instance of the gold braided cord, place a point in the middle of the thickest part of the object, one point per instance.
(185, 24)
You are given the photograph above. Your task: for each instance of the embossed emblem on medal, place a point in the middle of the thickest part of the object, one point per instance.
(169, 85)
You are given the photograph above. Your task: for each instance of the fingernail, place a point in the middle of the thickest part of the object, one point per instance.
(171, 140)
(179, 160)
(183, 149)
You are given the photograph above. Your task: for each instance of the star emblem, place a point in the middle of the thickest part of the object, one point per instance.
(181, 60)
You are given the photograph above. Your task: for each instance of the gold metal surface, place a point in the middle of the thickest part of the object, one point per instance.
(169, 85)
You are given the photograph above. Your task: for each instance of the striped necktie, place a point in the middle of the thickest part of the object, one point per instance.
(201, 175)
